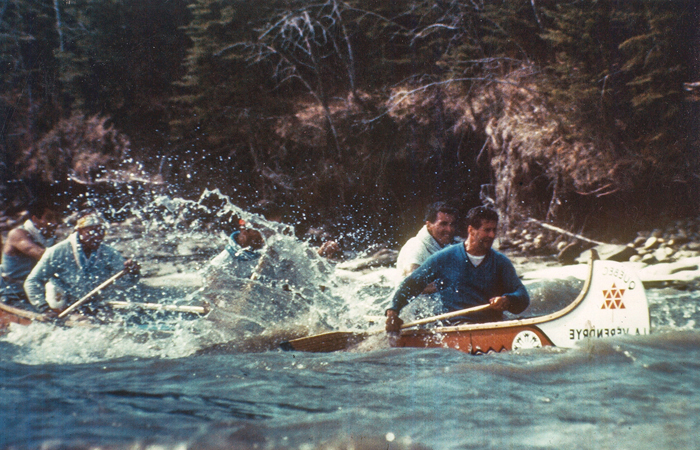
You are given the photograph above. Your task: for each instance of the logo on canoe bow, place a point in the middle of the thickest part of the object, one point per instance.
(526, 339)
(613, 298)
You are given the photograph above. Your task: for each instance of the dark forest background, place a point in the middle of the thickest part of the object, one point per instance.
(358, 112)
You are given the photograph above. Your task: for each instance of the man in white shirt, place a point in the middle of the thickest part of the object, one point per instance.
(77, 265)
(438, 232)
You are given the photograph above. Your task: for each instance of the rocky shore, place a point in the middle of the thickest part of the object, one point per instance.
(664, 256)
(677, 240)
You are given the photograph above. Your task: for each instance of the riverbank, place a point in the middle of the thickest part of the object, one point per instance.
(667, 256)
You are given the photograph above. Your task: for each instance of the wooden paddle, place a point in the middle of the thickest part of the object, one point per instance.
(340, 340)
(91, 293)
(201, 310)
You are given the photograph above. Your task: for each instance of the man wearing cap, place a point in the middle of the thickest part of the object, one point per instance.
(24, 247)
(77, 265)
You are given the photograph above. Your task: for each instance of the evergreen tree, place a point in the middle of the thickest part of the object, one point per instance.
(656, 66)
(219, 108)
(121, 56)
(28, 82)
(620, 68)
(584, 59)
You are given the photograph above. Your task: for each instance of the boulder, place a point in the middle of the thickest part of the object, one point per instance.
(610, 252)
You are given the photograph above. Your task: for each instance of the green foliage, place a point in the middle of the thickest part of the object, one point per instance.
(583, 57)
(621, 68)
(66, 58)
(28, 81)
(119, 55)
(656, 68)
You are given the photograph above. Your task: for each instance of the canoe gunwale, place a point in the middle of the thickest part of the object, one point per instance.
(23, 313)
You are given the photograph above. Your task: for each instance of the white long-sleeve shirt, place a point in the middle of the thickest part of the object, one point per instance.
(67, 266)
(416, 251)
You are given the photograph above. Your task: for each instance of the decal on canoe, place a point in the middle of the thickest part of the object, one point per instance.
(613, 298)
(526, 339)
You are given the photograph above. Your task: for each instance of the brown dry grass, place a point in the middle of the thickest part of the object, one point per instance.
(80, 147)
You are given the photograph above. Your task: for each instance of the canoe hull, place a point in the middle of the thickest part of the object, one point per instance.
(10, 314)
(477, 341)
(612, 303)
(8, 318)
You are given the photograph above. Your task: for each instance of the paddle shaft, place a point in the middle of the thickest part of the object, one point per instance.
(91, 293)
(448, 315)
(23, 313)
(564, 232)
(159, 307)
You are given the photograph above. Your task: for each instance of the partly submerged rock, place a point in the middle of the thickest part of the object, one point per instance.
(384, 257)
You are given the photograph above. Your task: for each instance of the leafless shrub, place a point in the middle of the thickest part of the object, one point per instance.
(79, 147)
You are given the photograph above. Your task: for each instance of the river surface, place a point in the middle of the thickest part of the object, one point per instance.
(221, 382)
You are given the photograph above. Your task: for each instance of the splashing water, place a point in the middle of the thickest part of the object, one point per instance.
(292, 292)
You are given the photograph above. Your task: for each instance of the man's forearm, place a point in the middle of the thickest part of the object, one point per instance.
(518, 300)
(35, 291)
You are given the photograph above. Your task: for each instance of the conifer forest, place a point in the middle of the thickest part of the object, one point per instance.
(582, 113)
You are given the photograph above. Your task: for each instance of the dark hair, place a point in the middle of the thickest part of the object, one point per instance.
(38, 207)
(477, 215)
(439, 207)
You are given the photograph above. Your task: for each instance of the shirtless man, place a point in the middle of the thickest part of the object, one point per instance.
(24, 247)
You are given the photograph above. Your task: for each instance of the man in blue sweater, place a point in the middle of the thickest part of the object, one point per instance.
(466, 275)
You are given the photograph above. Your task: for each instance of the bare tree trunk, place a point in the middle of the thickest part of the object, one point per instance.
(351, 58)
(320, 94)
(537, 16)
(59, 25)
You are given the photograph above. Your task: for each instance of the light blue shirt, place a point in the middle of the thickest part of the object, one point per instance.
(238, 261)
(67, 265)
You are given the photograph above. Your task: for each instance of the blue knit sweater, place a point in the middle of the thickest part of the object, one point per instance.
(461, 285)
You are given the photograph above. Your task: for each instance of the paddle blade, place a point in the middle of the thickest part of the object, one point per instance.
(326, 342)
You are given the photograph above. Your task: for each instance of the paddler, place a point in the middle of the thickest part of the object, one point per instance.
(438, 232)
(467, 275)
(24, 247)
(75, 266)
(241, 255)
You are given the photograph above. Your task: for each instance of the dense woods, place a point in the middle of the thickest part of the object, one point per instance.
(360, 111)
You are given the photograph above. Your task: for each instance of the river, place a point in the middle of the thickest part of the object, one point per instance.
(221, 382)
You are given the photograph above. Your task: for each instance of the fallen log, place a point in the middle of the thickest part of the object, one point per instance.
(612, 252)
